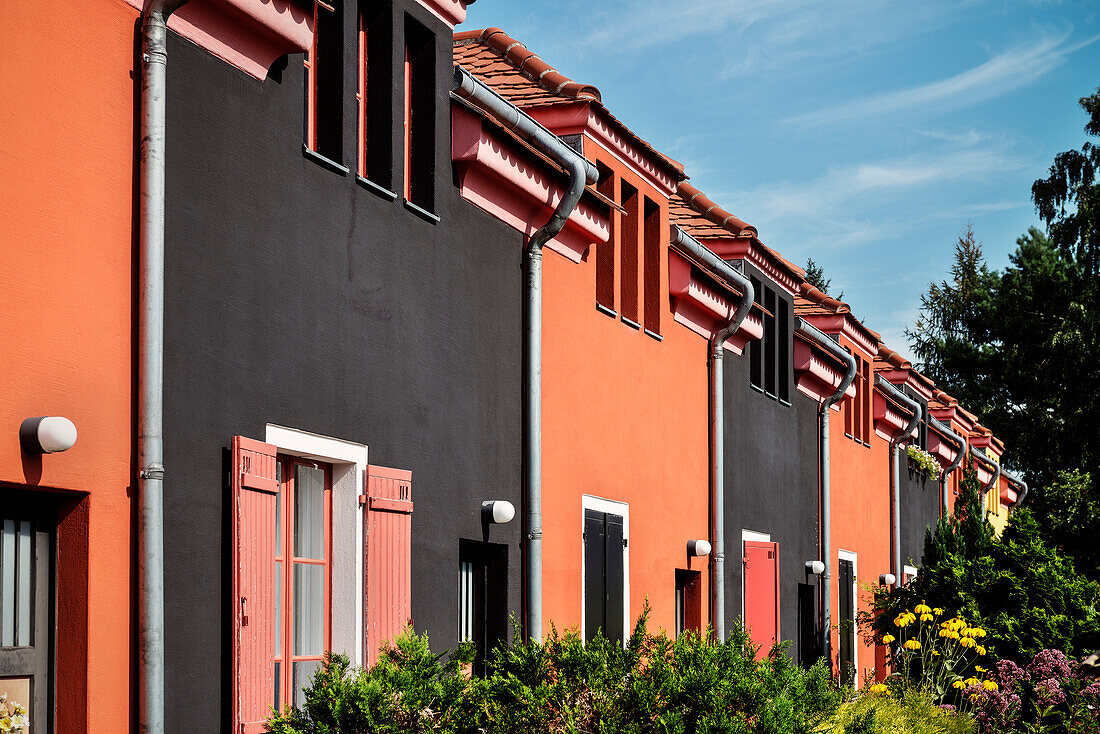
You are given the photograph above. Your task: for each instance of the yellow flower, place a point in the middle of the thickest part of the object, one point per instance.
(888, 638)
(979, 632)
(922, 608)
(937, 611)
(5, 725)
(878, 688)
(935, 652)
(989, 685)
(958, 684)
(966, 642)
(972, 681)
(979, 668)
(926, 617)
(912, 644)
(980, 649)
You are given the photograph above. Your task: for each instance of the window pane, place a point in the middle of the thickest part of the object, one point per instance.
(309, 512)
(278, 609)
(279, 509)
(301, 672)
(7, 584)
(309, 609)
(24, 584)
(465, 601)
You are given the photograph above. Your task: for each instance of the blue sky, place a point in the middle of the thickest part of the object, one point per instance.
(862, 133)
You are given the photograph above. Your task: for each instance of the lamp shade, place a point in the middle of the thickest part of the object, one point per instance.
(47, 434)
(815, 567)
(498, 511)
(698, 547)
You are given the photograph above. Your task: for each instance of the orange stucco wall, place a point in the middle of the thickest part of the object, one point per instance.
(66, 183)
(860, 478)
(625, 419)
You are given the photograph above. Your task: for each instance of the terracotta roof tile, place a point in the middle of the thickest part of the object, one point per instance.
(524, 79)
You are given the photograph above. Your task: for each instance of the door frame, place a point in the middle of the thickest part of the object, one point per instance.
(852, 556)
(622, 509)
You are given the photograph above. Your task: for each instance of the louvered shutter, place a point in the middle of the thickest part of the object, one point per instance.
(255, 491)
(388, 563)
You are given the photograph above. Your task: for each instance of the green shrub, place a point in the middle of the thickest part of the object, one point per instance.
(913, 713)
(653, 684)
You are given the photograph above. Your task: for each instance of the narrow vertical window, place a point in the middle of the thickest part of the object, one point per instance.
(651, 266)
(783, 349)
(851, 411)
(374, 94)
(419, 122)
(865, 400)
(769, 342)
(605, 251)
(628, 254)
(756, 348)
(324, 82)
(688, 601)
(482, 597)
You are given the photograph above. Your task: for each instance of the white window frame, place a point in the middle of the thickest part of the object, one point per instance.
(749, 536)
(910, 573)
(846, 555)
(349, 472)
(622, 509)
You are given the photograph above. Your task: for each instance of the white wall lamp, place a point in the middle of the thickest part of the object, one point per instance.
(815, 567)
(497, 512)
(698, 547)
(887, 579)
(47, 434)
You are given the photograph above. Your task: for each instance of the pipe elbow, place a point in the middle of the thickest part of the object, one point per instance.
(822, 339)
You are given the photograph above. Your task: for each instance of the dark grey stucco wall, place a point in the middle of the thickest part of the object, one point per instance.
(920, 500)
(297, 297)
(771, 484)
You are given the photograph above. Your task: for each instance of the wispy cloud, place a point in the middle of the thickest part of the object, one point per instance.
(1001, 74)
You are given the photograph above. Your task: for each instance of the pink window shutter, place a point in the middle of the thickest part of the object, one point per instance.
(388, 562)
(255, 494)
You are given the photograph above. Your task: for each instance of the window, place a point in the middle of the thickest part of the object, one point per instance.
(324, 83)
(302, 526)
(689, 601)
(628, 256)
(651, 267)
(846, 618)
(606, 580)
(482, 597)
(857, 412)
(419, 118)
(809, 638)
(374, 94)
(605, 251)
(770, 356)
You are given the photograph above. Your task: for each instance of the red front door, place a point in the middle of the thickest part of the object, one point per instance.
(762, 594)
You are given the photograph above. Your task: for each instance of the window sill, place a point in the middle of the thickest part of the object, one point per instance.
(654, 335)
(785, 402)
(757, 388)
(605, 310)
(631, 323)
(374, 188)
(421, 212)
(322, 161)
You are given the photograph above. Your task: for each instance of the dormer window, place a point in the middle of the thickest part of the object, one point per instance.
(770, 356)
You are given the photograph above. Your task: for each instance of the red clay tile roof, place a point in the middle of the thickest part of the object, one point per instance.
(524, 79)
(700, 213)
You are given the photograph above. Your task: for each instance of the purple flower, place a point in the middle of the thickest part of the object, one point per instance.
(1009, 673)
(995, 711)
(1092, 691)
(1049, 692)
(948, 707)
(1051, 664)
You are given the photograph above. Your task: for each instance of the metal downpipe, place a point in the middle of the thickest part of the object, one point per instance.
(819, 337)
(1019, 483)
(150, 450)
(994, 467)
(715, 357)
(581, 172)
(895, 466)
(960, 446)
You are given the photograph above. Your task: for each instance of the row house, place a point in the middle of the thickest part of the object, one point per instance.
(442, 340)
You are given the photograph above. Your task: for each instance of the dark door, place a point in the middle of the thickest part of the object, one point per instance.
(809, 642)
(483, 597)
(689, 601)
(603, 574)
(27, 530)
(845, 625)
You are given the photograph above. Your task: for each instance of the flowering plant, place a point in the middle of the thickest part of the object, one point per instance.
(936, 653)
(13, 716)
(924, 461)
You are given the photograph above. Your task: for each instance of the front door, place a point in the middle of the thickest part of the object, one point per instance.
(604, 542)
(27, 531)
(762, 594)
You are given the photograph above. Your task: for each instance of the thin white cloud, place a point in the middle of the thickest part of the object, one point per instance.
(1005, 72)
